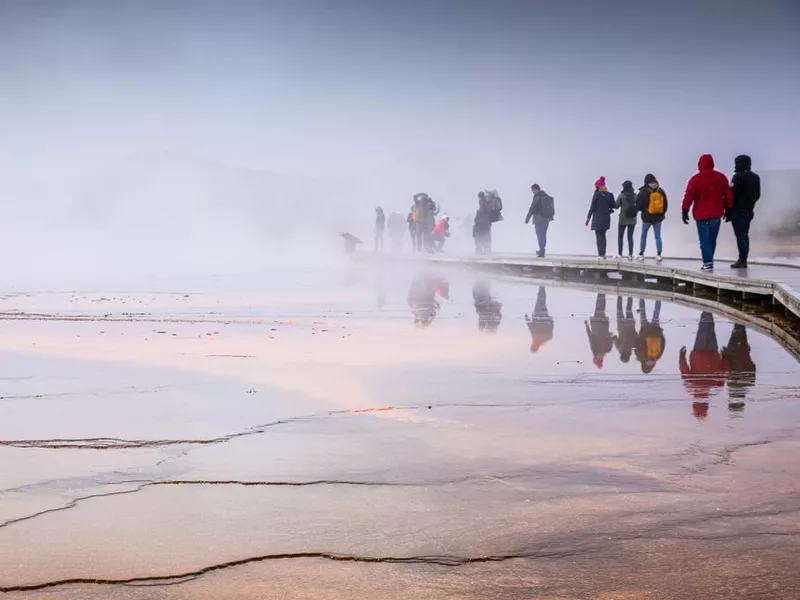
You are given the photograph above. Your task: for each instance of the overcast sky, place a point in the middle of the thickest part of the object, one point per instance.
(339, 87)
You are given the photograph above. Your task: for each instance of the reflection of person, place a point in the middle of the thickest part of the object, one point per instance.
(487, 307)
(380, 227)
(742, 373)
(422, 300)
(651, 343)
(482, 227)
(704, 373)
(541, 323)
(598, 329)
(627, 335)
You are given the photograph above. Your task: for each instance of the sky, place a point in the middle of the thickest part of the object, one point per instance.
(443, 95)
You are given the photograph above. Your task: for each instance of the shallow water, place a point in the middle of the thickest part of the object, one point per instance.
(392, 432)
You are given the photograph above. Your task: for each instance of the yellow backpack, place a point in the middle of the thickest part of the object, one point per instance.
(653, 344)
(656, 204)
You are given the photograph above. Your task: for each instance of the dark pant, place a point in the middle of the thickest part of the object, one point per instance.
(541, 234)
(600, 236)
(621, 234)
(707, 232)
(741, 228)
(706, 338)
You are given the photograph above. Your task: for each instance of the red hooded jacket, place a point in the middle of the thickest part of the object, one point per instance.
(709, 192)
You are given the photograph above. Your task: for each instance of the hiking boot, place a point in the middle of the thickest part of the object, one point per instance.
(540, 253)
(707, 267)
(739, 264)
(658, 258)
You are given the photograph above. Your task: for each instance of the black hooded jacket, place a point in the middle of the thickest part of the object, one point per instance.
(746, 186)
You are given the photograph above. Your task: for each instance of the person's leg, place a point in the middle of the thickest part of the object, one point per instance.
(598, 243)
(738, 230)
(541, 302)
(545, 227)
(705, 243)
(629, 308)
(657, 232)
(713, 232)
(643, 240)
(746, 234)
(656, 313)
(620, 237)
(600, 306)
(537, 227)
(706, 338)
(630, 239)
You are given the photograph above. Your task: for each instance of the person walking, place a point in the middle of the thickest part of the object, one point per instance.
(542, 211)
(603, 204)
(708, 194)
(626, 203)
(746, 190)
(380, 228)
(652, 202)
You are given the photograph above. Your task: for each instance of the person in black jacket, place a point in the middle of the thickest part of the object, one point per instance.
(598, 330)
(542, 211)
(746, 187)
(603, 204)
(652, 213)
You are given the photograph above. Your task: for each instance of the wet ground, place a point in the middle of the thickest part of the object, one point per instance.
(370, 432)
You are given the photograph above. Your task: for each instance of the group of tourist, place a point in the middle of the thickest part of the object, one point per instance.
(709, 196)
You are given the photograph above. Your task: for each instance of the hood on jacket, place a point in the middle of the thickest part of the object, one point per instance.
(706, 163)
(627, 186)
(649, 178)
(742, 163)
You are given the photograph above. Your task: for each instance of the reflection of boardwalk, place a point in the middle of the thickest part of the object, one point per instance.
(781, 283)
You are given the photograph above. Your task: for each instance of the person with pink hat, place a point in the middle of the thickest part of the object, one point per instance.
(603, 204)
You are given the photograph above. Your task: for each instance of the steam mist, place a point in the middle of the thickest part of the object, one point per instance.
(142, 139)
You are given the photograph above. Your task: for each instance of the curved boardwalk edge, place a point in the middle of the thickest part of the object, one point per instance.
(771, 307)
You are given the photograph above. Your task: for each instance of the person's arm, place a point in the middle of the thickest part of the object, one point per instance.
(531, 211)
(689, 196)
(757, 188)
(683, 364)
(727, 197)
(592, 208)
(619, 201)
(666, 201)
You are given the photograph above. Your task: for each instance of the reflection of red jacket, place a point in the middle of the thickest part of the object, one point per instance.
(708, 191)
(704, 371)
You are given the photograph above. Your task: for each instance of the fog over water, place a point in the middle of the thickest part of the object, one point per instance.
(191, 137)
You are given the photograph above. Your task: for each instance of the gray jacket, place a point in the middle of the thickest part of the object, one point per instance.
(624, 201)
(534, 212)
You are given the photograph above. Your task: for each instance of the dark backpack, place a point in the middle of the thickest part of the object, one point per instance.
(547, 207)
(493, 206)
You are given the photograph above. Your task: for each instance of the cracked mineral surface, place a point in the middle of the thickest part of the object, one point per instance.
(377, 432)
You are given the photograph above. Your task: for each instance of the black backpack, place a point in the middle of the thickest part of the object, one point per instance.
(547, 207)
(631, 211)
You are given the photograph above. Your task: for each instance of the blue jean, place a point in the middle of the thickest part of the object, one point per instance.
(707, 232)
(541, 234)
(741, 227)
(656, 230)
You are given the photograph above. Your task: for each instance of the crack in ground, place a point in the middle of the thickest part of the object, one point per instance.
(73, 503)
(156, 580)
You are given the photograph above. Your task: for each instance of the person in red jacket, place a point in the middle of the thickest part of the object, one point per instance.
(709, 193)
(706, 370)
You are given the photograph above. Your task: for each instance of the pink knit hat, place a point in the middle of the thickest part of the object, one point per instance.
(600, 183)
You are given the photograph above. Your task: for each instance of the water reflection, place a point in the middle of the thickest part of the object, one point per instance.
(598, 329)
(742, 373)
(422, 297)
(487, 307)
(651, 342)
(704, 372)
(541, 323)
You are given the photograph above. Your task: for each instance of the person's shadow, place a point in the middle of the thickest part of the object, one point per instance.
(598, 330)
(486, 306)
(540, 324)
